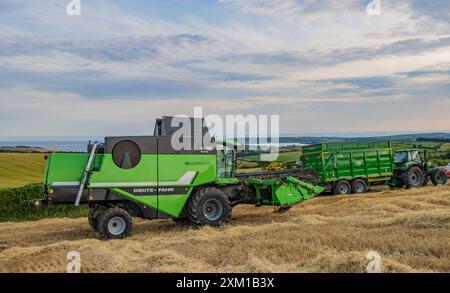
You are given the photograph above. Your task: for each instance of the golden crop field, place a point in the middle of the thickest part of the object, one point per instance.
(18, 169)
(410, 229)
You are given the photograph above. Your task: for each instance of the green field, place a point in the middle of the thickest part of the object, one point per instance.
(21, 169)
(283, 157)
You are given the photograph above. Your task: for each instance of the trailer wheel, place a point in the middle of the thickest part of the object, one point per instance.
(342, 187)
(114, 223)
(439, 177)
(209, 206)
(414, 177)
(359, 186)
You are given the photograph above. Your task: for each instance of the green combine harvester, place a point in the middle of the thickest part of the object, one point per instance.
(144, 176)
(351, 167)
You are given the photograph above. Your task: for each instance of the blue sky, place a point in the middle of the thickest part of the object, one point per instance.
(323, 66)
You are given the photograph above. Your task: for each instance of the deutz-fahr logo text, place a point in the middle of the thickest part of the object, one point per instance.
(152, 190)
(160, 190)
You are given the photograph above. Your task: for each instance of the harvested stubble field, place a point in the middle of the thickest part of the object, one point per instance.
(409, 228)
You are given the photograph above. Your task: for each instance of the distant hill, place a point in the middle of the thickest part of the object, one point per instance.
(23, 149)
(437, 136)
(433, 139)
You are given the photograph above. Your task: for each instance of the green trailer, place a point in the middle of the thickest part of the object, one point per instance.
(147, 177)
(350, 167)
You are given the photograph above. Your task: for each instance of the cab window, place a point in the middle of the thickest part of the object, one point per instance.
(400, 157)
(416, 156)
(225, 163)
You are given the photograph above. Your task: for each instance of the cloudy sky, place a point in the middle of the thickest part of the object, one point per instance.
(323, 66)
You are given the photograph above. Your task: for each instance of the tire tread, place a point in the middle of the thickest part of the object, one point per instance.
(106, 215)
(194, 206)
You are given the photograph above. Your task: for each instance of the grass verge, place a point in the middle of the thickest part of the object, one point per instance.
(14, 206)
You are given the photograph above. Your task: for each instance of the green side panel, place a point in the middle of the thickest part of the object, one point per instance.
(150, 200)
(106, 174)
(408, 165)
(318, 163)
(335, 161)
(145, 171)
(67, 167)
(329, 167)
(172, 204)
(172, 167)
(358, 165)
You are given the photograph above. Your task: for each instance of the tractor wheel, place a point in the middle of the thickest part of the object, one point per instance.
(209, 206)
(342, 187)
(359, 186)
(114, 223)
(92, 219)
(94, 212)
(439, 177)
(413, 178)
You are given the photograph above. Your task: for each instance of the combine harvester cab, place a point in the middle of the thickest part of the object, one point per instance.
(144, 176)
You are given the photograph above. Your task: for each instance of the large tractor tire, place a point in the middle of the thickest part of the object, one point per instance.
(114, 223)
(414, 177)
(209, 206)
(438, 177)
(94, 213)
(92, 219)
(359, 186)
(342, 187)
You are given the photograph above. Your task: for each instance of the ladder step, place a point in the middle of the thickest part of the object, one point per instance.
(86, 173)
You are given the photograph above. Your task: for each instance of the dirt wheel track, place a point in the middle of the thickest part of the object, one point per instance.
(409, 228)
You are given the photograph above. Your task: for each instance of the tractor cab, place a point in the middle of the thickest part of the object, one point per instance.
(403, 156)
(226, 158)
(413, 171)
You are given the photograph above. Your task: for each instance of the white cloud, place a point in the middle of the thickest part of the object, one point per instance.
(300, 59)
(99, 19)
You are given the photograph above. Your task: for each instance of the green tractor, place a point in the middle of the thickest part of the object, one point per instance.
(149, 178)
(412, 171)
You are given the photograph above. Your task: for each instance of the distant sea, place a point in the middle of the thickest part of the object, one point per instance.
(57, 144)
(65, 145)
